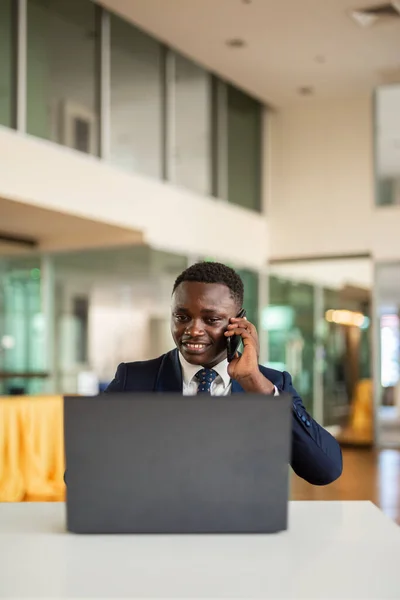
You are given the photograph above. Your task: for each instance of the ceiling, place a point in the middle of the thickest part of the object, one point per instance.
(55, 231)
(289, 44)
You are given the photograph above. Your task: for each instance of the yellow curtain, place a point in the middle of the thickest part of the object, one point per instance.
(31, 449)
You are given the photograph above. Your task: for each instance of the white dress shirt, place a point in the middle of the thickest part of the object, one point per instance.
(221, 386)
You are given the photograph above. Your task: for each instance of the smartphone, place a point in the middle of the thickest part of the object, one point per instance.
(233, 342)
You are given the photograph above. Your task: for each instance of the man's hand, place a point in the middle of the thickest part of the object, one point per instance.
(244, 369)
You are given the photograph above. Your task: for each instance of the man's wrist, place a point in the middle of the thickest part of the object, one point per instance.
(256, 383)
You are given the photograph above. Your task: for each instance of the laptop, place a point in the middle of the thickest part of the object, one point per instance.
(167, 463)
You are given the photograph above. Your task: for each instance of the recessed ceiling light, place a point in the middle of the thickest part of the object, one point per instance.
(363, 19)
(306, 90)
(236, 43)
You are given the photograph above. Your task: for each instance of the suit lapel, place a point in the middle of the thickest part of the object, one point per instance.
(236, 388)
(169, 377)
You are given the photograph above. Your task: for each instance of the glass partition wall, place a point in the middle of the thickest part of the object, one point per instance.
(22, 336)
(72, 318)
(318, 322)
(76, 315)
(387, 336)
(387, 275)
(387, 146)
(99, 85)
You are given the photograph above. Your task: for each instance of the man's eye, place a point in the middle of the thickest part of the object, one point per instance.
(213, 320)
(180, 317)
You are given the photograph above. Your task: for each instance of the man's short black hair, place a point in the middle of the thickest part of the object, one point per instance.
(214, 272)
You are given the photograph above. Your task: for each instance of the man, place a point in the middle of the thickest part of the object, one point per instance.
(206, 299)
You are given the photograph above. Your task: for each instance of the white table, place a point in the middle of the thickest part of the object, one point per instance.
(332, 550)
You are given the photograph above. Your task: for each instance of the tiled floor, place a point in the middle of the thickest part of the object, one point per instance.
(367, 475)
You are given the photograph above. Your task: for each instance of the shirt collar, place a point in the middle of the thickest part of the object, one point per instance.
(189, 371)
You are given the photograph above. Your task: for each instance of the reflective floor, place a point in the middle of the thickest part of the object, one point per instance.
(367, 475)
(389, 426)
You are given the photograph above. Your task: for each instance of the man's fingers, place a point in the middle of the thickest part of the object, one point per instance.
(243, 324)
(238, 331)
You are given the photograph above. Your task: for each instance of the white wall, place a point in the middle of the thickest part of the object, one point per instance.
(173, 219)
(321, 197)
(322, 184)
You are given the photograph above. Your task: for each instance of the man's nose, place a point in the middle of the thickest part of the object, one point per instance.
(195, 328)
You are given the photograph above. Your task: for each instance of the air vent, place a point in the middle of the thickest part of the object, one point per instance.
(366, 17)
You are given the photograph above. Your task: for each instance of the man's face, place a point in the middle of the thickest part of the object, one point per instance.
(200, 316)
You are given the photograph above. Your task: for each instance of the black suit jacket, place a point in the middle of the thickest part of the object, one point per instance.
(316, 455)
